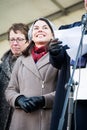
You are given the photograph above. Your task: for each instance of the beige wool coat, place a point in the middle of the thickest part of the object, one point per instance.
(32, 79)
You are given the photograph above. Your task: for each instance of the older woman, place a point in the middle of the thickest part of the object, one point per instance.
(32, 86)
(18, 41)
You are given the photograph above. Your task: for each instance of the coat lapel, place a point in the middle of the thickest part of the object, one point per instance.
(43, 61)
(30, 64)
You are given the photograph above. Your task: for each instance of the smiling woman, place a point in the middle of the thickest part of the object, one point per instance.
(31, 90)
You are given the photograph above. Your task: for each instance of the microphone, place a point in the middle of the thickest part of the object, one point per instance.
(84, 21)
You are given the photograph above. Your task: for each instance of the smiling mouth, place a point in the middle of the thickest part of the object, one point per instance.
(40, 35)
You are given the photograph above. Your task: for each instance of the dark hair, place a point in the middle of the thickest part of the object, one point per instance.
(23, 28)
(31, 45)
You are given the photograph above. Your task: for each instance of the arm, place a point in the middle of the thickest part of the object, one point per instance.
(12, 91)
(49, 99)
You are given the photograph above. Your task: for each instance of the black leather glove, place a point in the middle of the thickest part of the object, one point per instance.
(55, 47)
(30, 104)
(22, 102)
(36, 103)
(57, 53)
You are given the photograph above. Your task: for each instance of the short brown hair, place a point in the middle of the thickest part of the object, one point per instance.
(19, 27)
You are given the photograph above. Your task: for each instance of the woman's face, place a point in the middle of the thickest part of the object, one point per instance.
(17, 42)
(41, 34)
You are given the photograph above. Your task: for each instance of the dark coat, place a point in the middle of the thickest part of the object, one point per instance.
(60, 91)
(81, 107)
(6, 66)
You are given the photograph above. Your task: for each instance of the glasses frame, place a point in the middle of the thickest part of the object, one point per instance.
(18, 40)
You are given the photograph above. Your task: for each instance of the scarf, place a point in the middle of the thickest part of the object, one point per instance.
(37, 53)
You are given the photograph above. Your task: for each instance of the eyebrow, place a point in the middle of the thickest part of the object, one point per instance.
(38, 25)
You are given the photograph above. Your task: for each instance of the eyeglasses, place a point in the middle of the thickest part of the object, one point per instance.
(18, 40)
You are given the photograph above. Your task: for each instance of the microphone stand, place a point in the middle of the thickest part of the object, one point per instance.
(69, 94)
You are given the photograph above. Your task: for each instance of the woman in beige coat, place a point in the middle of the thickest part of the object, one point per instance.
(32, 86)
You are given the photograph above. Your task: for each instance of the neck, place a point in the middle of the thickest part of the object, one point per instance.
(40, 44)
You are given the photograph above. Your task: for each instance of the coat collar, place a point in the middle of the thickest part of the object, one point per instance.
(30, 64)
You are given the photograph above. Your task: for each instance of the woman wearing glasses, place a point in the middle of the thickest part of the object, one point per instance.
(18, 40)
(32, 86)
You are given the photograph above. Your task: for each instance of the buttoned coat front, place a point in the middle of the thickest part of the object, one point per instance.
(32, 79)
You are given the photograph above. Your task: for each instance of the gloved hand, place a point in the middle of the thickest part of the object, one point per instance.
(22, 102)
(30, 104)
(36, 103)
(55, 47)
(57, 53)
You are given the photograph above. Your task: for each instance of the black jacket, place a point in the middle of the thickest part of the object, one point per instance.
(63, 78)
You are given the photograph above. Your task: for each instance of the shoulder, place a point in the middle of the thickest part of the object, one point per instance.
(20, 58)
(19, 61)
(75, 24)
(5, 55)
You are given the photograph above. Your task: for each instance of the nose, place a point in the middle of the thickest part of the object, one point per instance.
(40, 29)
(15, 42)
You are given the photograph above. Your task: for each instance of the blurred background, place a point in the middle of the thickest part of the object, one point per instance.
(60, 12)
